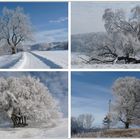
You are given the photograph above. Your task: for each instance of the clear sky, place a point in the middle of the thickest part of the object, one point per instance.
(87, 16)
(91, 92)
(49, 19)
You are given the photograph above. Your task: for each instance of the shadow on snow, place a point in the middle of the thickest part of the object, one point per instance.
(46, 61)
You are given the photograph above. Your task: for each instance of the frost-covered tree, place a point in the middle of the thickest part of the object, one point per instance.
(86, 120)
(124, 33)
(29, 97)
(127, 100)
(15, 28)
(123, 42)
(107, 121)
(116, 48)
(83, 121)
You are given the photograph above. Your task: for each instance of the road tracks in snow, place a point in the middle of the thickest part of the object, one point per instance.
(29, 60)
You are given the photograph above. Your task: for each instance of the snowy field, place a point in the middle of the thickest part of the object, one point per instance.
(58, 57)
(60, 131)
(35, 60)
(79, 62)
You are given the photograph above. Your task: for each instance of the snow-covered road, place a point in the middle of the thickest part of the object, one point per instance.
(29, 61)
(35, 60)
(60, 131)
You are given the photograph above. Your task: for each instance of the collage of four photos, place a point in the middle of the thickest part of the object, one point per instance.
(69, 69)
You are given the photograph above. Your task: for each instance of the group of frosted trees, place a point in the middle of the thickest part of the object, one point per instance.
(123, 42)
(81, 123)
(15, 28)
(27, 99)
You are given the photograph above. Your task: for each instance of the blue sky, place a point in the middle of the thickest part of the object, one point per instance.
(49, 19)
(87, 16)
(91, 92)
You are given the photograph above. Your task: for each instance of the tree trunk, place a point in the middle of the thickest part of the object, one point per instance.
(13, 50)
(126, 125)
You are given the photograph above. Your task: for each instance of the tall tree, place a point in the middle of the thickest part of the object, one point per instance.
(123, 42)
(127, 100)
(15, 28)
(126, 32)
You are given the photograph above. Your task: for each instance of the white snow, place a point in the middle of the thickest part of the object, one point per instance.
(35, 60)
(78, 62)
(7, 61)
(58, 57)
(59, 131)
(107, 66)
(30, 62)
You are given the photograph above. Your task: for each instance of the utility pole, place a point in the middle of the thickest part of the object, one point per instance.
(109, 113)
(109, 103)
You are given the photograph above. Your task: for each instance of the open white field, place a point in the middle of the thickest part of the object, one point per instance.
(58, 57)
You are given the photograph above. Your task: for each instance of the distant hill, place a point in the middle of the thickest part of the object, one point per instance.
(87, 42)
(47, 46)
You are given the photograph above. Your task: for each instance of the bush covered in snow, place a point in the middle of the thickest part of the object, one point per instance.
(29, 97)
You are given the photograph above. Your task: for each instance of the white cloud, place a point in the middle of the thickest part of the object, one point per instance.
(51, 35)
(59, 20)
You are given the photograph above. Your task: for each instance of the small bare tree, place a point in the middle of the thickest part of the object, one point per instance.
(15, 28)
(86, 120)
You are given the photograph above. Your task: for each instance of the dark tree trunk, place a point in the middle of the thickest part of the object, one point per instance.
(13, 50)
(25, 119)
(129, 60)
(126, 125)
(19, 121)
(14, 120)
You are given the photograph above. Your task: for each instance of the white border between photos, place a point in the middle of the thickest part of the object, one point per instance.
(63, 0)
(69, 70)
(50, 70)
